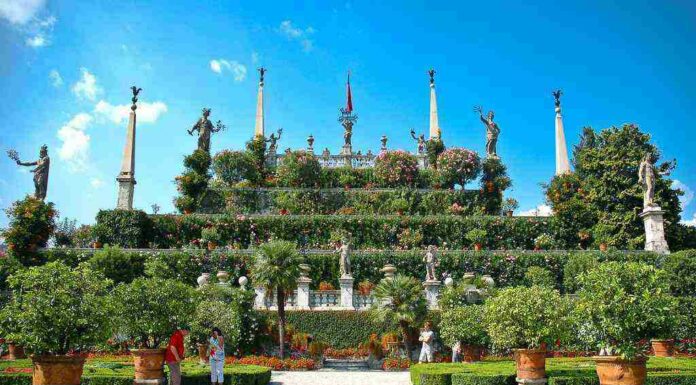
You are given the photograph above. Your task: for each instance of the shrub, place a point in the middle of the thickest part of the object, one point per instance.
(215, 313)
(65, 232)
(31, 223)
(576, 265)
(623, 303)
(193, 183)
(526, 318)
(117, 265)
(458, 166)
(256, 148)
(681, 269)
(476, 236)
(241, 303)
(179, 266)
(539, 276)
(299, 169)
(464, 324)
(83, 236)
(396, 168)
(433, 148)
(8, 266)
(124, 228)
(149, 310)
(56, 309)
(494, 182)
(232, 167)
(543, 242)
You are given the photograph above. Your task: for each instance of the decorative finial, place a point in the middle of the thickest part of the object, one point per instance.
(136, 91)
(557, 95)
(432, 76)
(262, 71)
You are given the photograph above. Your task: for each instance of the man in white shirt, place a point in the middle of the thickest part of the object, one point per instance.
(426, 337)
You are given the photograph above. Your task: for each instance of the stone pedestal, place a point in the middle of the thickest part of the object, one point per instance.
(540, 381)
(654, 230)
(159, 381)
(260, 300)
(432, 292)
(303, 293)
(347, 149)
(126, 186)
(346, 282)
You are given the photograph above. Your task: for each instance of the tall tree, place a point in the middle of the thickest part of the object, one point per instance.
(276, 265)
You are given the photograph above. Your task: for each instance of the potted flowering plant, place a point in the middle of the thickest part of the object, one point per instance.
(365, 287)
(527, 319)
(464, 324)
(57, 311)
(211, 236)
(477, 237)
(509, 206)
(620, 305)
(602, 235)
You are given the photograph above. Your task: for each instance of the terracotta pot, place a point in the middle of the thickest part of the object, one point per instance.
(663, 348)
(202, 353)
(471, 353)
(57, 370)
(509, 213)
(211, 246)
(16, 351)
(613, 370)
(97, 245)
(602, 247)
(149, 363)
(531, 364)
(186, 212)
(478, 246)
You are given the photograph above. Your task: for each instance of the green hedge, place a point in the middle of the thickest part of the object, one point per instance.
(346, 201)
(125, 228)
(464, 379)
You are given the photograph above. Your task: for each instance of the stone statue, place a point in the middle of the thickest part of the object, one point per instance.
(348, 134)
(43, 165)
(384, 142)
(492, 131)
(557, 95)
(273, 140)
(205, 129)
(262, 71)
(647, 175)
(420, 139)
(431, 262)
(134, 99)
(432, 76)
(344, 261)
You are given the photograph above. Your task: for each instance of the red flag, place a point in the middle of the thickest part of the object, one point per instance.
(349, 102)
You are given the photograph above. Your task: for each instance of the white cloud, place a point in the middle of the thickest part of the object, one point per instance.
(20, 11)
(75, 147)
(539, 211)
(239, 71)
(96, 183)
(298, 34)
(87, 86)
(688, 196)
(147, 112)
(254, 58)
(36, 41)
(55, 77)
(690, 222)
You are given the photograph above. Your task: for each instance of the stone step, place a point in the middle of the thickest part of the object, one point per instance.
(347, 365)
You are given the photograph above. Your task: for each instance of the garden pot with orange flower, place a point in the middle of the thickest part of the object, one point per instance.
(212, 237)
(477, 237)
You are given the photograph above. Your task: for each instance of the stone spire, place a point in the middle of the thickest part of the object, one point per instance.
(126, 178)
(562, 162)
(259, 127)
(434, 124)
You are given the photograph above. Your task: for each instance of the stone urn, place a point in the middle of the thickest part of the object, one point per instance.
(52, 370)
(203, 279)
(488, 280)
(613, 370)
(389, 271)
(663, 348)
(243, 282)
(530, 364)
(149, 365)
(223, 277)
(468, 278)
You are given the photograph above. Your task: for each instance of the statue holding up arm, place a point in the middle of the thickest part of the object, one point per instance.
(273, 140)
(43, 165)
(420, 139)
(492, 131)
(205, 129)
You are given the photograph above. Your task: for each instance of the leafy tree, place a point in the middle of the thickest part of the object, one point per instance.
(494, 182)
(31, 224)
(232, 167)
(276, 265)
(65, 232)
(539, 276)
(400, 299)
(299, 169)
(577, 264)
(458, 166)
(465, 324)
(193, 183)
(118, 265)
(256, 149)
(681, 269)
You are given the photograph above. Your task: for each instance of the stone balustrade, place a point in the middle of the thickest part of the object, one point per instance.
(353, 160)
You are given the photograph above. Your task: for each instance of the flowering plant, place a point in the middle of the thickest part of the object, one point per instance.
(396, 168)
(299, 169)
(458, 166)
(395, 364)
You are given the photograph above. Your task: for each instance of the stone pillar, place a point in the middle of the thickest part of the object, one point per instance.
(432, 291)
(654, 230)
(260, 299)
(562, 162)
(434, 123)
(346, 282)
(260, 123)
(126, 178)
(302, 300)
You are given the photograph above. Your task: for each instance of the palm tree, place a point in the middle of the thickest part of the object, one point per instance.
(276, 265)
(400, 298)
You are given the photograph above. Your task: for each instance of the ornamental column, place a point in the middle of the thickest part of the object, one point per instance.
(126, 178)
(434, 123)
(562, 162)
(259, 126)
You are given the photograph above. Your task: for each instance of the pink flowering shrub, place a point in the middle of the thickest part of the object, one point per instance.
(299, 169)
(396, 168)
(458, 166)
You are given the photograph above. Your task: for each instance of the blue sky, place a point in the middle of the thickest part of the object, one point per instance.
(66, 68)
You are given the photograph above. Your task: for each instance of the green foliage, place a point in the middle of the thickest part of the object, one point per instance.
(124, 228)
(215, 313)
(539, 276)
(401, 300)
(576, 265)
(457, 166)
(193, 183)
(544, 242)
(573, 217)
(179, 266)
(396, 168)
(117, 265)
(256, 149)
(55, 309)
(64, 233)
(241, 303)
(476, 236)
(681, 270)
(31, 223)
(8, 266)
(433, 148)
(149, 310)
(494, 182)
(211, 234)
(299, 169)
(526, 318)
(464, 324)
(232, 167)
(621, 304)
(510, 204)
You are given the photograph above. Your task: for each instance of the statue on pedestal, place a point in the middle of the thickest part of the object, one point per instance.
(273, 140)
(557, 96)
(43, 165)
(492, 131)
(205, 129)
(348, 133)
(383, 140)
(420, 139)
(647, 176)
(431, 262)
(344, 261)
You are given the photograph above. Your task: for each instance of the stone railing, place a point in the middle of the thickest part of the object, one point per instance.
(356, 160)
(324, 298)
(361, 301)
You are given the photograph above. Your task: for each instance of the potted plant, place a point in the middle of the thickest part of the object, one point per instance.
(211, 236)
(149, 310)
(365, 287)
(477, 237)
(98, 234)
(509, 206)
(602, 236)
(464, 324)
(399, 206)
(326, 286)
(57, 312)
(620, 305)
(527, 320)
(543, 242)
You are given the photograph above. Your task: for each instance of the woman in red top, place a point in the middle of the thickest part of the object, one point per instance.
(174, 355)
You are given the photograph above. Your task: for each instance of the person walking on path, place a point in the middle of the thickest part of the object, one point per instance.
(426, 337)
(217, 357)
(174, 355)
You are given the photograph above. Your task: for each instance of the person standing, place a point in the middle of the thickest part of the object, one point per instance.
(175, 354)
(217, 357)
(426, 337)
(457, 352)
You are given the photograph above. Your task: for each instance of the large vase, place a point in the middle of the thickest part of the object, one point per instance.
(613, 370)
(531, 364)
(57, 370)
(16, 351)
(663, 348)
(471, 353)
(149, 365)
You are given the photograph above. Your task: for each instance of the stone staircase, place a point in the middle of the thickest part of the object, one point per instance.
(331, 364)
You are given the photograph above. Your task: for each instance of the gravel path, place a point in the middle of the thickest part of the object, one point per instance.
(326, 377)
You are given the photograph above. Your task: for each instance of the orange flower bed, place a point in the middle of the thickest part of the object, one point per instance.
(275, 363)
(346, 353)
(396, 364)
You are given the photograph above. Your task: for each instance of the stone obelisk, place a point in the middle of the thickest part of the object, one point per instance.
(126, 178)
(434, 124)
(259, 127)
(562, 162)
